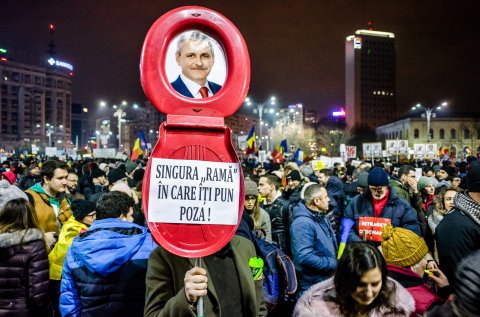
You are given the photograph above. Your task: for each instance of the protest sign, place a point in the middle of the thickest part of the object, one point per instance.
(370, 228)
(193, 192)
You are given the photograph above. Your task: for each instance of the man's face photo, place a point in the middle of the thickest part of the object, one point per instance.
(196, 59)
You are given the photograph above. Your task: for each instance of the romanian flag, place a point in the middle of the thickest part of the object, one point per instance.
(277, 153)
(251, 141)
(139, 147)
(93, 143)
(298, 157)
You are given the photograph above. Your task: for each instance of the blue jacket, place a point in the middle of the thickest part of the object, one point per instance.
(398, 210)
(314, 247)
(104, 270)
(182, 89)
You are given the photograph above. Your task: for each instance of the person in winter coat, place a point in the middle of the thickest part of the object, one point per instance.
(31, 178)
(105, 267)
(82, 218)
(407, 258)
(314, 244)
(454, 245)
(359, 288)
(380, 201)
(48, 198)
(277, 208)
(23, 259)
(261, 219)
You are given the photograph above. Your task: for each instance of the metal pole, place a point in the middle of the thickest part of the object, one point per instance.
(120, 112)
(260, 112)
(198, 262)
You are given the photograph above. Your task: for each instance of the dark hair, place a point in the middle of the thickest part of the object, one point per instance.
(49, 167)
(326, 171)
(113, 205)
(357, 259)
(18, 214)
(273, 179)
(404, 170)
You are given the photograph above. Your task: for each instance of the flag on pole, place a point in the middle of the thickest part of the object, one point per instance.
(251, 141)
(139, 147)
(298, 157)
(284, 146)
(277, 153)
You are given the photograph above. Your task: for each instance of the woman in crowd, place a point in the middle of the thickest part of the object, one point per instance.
(443, 203)
(261, 219)
(359, 288)
(23, 261)
(407, 259)
(426, 187)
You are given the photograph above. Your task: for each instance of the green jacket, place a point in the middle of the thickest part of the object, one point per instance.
(415, 200)
(165, 295)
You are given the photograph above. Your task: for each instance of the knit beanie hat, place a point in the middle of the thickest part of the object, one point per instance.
(377, 177)
(472, 180)
(81, 208)
(102, 166)
(251, 188)
(294, 175)
(402, 247)
(9, 192)
(467, 286)
(116, 174)
(138, 174)
(363, 179)
(97, 173)
(423, 182)
(10, 176)
(450, 170)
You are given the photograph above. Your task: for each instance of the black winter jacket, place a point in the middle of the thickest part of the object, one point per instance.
(279, 217)
(24, 276)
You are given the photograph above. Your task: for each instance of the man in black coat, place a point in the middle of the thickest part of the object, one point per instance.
(458, 234)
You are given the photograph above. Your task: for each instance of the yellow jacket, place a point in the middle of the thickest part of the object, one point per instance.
(70, 230)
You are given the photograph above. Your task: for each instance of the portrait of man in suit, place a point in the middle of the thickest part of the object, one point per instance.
(195, 55)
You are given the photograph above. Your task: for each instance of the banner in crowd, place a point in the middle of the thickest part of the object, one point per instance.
(421, 151)
(395, 147)
(105, 153)
(372, 149)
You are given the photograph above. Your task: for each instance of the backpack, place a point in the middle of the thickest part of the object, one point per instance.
(280, 281)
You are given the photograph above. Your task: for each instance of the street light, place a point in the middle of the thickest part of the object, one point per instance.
(120, 113)
(271, 101)
(429, 114)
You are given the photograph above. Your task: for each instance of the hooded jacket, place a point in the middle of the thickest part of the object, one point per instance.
(314, 302)
(56, 257)
(314, 246)
(43, 205)
(398, 210)
(23, 273)
(454, 245)
(104, 270)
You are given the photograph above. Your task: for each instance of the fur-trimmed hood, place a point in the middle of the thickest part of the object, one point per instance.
(468, 206)
(313, 302)
(10, 239)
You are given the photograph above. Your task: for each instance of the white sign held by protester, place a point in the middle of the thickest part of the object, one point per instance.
(193, 192)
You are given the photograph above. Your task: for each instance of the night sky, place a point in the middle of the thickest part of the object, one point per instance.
(296, 47)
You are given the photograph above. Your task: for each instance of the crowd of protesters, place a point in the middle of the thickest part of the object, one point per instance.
(74, 241)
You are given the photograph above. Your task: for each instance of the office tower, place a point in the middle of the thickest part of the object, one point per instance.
(370, 91)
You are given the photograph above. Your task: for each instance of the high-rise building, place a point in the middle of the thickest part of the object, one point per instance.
(35, 106)
(370, 91)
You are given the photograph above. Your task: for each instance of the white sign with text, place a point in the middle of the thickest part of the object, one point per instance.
(193, 192)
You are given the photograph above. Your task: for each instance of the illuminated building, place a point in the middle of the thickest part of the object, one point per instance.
(370, 78)
(35, 106)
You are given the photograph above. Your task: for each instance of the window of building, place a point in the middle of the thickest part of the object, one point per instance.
(400, 134)
(431, 134)
(453, 134)
(416, 134)
(478, 133)
(466, 134)
(442, 134)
